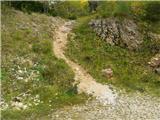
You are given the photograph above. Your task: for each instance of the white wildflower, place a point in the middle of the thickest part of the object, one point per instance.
(20, 71)
(20, 78)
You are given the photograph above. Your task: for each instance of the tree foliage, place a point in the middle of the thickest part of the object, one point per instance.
(28, 6)
(69, 9)
(152, 11)
(122, 8)
(92, 5)
(65, 9)
(113, 8)
(106, 8)
(144, 10)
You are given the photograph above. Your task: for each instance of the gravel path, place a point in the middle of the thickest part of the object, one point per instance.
(107, 105)
(133, 107)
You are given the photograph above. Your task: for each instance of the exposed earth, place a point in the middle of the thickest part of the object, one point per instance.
(108, 103)
(85, 82)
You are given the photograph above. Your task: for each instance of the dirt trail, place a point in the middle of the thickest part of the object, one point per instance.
(126, 106)
(86, 83)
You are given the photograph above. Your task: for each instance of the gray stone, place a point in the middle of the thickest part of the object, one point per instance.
(128, 107)
(108, 72)
(155, 61)
(123, 33)
(157, 70)
(154, 36)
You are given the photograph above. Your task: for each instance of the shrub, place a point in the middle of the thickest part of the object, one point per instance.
(68, 9)
(106, 8)
(72, 17)
(122, 9)
(112, 8)
(137, 9)
(152, 11)
(27, 6)
(65, 9)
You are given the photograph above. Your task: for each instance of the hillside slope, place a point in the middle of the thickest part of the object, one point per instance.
(34, 81)
(131, 70)
(107, 105)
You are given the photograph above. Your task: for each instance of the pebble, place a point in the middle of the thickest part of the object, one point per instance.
(128, 107)
(18, 105)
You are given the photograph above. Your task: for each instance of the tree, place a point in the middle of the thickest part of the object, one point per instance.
(122, 9)
(30, 6)
(92, 5)
(106, 8)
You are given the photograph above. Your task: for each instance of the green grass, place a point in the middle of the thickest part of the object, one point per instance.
(27, 46)
(130, 68)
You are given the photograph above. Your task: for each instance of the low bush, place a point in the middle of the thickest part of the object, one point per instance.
(112, 8)
(152, 11)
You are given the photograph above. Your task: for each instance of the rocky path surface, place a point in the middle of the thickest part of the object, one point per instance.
(128, 107)
(86, 83)
(107, 105)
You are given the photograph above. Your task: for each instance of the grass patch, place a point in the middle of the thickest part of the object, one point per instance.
(130, 68)
(29, 68)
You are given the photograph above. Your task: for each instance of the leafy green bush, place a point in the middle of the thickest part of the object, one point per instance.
(152, 11)
(122, 9)
(65, 9)
(26, 6)
(105, 8)
(112, 8)
(72, 17)
(68, 9)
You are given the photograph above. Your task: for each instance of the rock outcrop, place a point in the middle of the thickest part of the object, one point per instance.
(154, 36)
(124, 33)
(155, 63)
(108, 72)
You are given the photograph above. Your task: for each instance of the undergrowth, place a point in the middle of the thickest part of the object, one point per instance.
(130, 68)
(29, 68)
